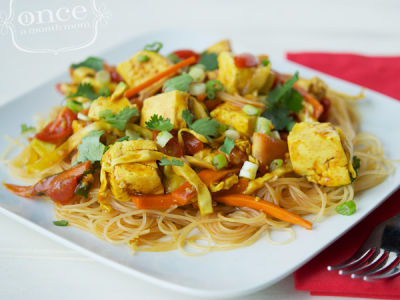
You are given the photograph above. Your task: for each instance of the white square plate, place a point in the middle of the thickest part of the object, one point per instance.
(218, 274)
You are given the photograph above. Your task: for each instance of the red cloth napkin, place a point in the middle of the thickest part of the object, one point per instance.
(380, 74)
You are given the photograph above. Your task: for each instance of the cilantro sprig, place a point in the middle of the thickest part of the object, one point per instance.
(157, 122)
(173, 162)
(180, 83)
(209, 60)
(84, 90)
(92, 62)
(120, 119)
(204, 126)
(282, 102)
(91, 148)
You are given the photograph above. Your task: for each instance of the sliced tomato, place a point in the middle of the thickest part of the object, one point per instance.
(173, 148)
(185, 53)
(192, 144)
(246, 60)
(211, 104)
(237, 157)
(60, 187)
(58, 129)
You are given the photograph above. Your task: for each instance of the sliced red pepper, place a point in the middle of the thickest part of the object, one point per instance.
(246, 60)
(59, 188)
(58, 129)
(185, 53)
(192, 144)
(326, 104)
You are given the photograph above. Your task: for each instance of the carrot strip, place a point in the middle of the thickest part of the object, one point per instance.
(156, 201)
(318, 108)
(265, 206)
(184, 193)
(210, 176)
(133, 91)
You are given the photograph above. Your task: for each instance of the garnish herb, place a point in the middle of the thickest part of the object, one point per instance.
(209, 60)
(25, 128)
(346, 208)
(155, 47)
(91, 148)
(60, 223)
(356, 165)
(204, 126)
(104, 91)
(119, 120)
(157, 122)
(212, 87)
(283, 101)
(124, 138)
(74, 105)
(265, 62)
(227, 146)
(92, 62)
(173, 162)
(175, 59)
(84, 90)
(180, 83)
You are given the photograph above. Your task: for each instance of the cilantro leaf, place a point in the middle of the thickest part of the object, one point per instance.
(277, 93)
(205, 126)
(85, 90)
(91, 148)
(180, 83)
(119, 120)
(279, 117)
(157, 122)
(227, 146)
(187, 116)
(209, 60)
(104, 91)
(294, 101)
(92, 62)
(175, 59)
(356, 166)
(173, 162)
(25, 128)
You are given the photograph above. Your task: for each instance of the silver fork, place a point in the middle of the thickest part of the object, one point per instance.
(378, 257)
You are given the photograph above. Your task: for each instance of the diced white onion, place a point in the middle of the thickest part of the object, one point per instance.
(197, 73)
(163, 137)
(83, 117)
(197, 89)
(249, 170)
(232, 134)
(103, 77)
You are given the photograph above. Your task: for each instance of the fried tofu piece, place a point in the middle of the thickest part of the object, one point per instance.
(168, 105)
(233, 116)
(126, 179)
(105, 103)
(242, 81)
(316, 152)
(222, 46)
(135, 72)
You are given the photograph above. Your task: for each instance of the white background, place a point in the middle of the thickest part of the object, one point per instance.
(33, 267)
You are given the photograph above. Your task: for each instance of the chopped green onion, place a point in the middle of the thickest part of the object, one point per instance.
(265, 62)
(197, 73)
(197, 88)
(232, 134)
(212, 87)
(83, 188)
(155, 47)
(346, 208)
(74, 105)
(251, 110)
(60, 223)
(124, 138)
(249, 170)
(275, 164)
(263, 125)
(275, 134)
(102, 77)
(25, 128)
(219, 161)
(163, 138)
(143, 58)
(133, 135)
(83, 117)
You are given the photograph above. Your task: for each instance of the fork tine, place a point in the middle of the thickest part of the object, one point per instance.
(353, 261)
(390, 269)
(370, 267)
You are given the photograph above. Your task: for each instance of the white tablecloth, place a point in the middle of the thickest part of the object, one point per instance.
(34, 267)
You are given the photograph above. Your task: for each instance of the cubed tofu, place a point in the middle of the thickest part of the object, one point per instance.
(222, 46)
(168, 105)
(128, 178)
(105, 103)
(316, 152)
(242, 81)
(235, 117)
(135, 72)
